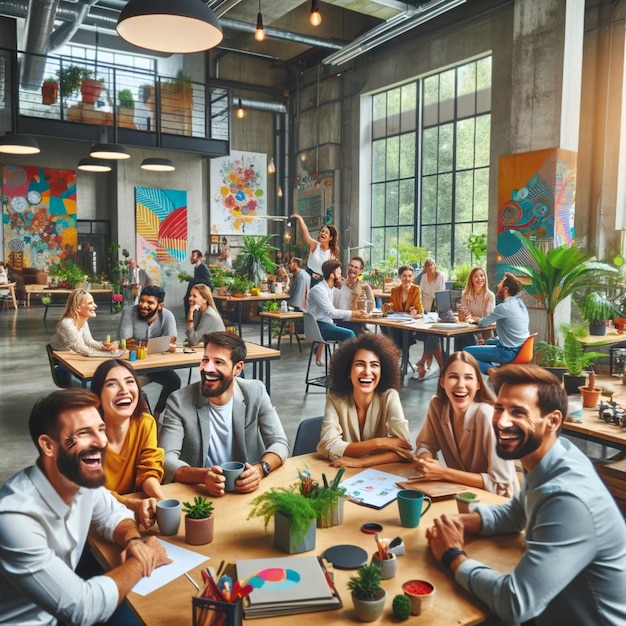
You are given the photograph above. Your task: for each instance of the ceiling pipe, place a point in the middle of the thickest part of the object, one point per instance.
(261, 105)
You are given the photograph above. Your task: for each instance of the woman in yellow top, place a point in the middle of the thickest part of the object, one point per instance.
(133, 460)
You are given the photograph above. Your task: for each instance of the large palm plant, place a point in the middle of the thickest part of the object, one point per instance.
(254, 258)
(558, 273)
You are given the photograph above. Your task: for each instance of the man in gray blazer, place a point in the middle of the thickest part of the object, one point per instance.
(221, 418)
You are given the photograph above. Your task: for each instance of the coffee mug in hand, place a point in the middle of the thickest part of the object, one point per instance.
(410, 503)
(168, 516)
(232, 470)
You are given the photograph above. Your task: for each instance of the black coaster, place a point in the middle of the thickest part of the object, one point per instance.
(346, 556)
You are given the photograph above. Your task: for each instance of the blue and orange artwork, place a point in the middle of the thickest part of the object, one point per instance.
(38, 215)
(273, 579)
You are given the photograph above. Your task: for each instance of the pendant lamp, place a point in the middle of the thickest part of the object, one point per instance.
(157, 164)
(89, 164)
(16, 143)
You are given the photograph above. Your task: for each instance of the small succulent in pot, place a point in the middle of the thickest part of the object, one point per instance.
(200, 509)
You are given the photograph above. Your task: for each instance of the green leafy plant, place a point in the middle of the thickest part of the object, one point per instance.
(180, 84)
(365, 584)
(461, 273)
(200, 509)
(549, 355)
(408, 254)
(126, 99)
(51, 79)
(323, 496)
(119, 267)
(559, 273)
(254, 258)
(240, 284)
(70, 78)
(375, 278)
(401, 607)
(596, 307)
(292, 504)
(574, 355)
(477, 245)
(67, 271)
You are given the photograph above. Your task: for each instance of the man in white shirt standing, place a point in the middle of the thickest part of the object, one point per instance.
(46, 512)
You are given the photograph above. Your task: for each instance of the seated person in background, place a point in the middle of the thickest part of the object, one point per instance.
(320, 306)
(299, 285)
(133, 461)
(511, 319)
(203, 316)
(201, 275)
(458, 424)
(354, 294)
(364, 423)
(224, 259)
(144, 321)
(282, 277)
(18, 279)
(221, 418)
(573, 568)
(4, 278)
(72, 331)
(477, 301)
(46, 513)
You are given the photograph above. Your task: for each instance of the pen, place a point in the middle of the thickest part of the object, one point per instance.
(191, 580)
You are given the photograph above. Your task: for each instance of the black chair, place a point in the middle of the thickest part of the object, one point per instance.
(60, 376)
(312, 333)
(307, 436)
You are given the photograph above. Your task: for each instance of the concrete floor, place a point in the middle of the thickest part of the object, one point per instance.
(25, 376)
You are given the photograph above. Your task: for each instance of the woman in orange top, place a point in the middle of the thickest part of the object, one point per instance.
(405, 298)
(133, 460)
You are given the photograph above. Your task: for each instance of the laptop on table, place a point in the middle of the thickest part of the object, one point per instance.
(158, 345)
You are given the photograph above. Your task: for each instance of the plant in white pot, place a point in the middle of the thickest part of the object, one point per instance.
(368, 597)
(199, 521)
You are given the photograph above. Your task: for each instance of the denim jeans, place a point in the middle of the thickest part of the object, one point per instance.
(330, 332)
(492, 352)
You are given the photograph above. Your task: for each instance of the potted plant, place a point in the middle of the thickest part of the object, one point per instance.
(69, 80)
(559, 273)
(368, 597)
(239, 285)
(126, 109)
(254, 259)
(198, 521)
(589, 392)
(176, 105)
(90, 87)
(596, 309)
(575, 357)
(328, 499)
(68, 273)
(49, 90)
(550, 357)
(384, 559)
(294, 518)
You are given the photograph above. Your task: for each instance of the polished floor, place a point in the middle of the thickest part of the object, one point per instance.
(25, 376)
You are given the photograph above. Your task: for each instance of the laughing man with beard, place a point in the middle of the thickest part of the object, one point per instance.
(573, 570)
(221, 418)
(46, 512)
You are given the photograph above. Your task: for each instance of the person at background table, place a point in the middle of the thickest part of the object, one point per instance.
(221, 418)
(133, 461)
(146, 320)
(320, 306)
(224, 259)
(72, 331)
(138, 278)
(323, 249)
(201, 275)
(354, 294)
(511, 320)
(573, 568)
(458, 424)
(4, 278)
(364, 423)
(299, 285)
(46, 512)
(282, 277)
(15, 277)
(477, 301)
(404, 298)
(203, 316)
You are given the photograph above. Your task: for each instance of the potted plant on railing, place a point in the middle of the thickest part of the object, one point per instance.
(368, 597)
(126, 110)
(575, 357)
(49, 90)
(199, 521)
(597, 309)
(69, 80)
(294, 518)
(90, 87)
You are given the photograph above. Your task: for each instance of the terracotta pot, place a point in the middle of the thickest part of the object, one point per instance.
(49, 92)
(590, 395)
(90, 90)
(420, 602)
(199, 531)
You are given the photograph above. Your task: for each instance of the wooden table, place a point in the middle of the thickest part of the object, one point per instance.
(11, 288)
(283, 318)
(239, 303)
(40, 290)
(236, 538)
(84, 367)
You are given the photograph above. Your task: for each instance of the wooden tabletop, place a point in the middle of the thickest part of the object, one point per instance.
(236, 537)
(260, 298)
(439, 328)
(610, 338)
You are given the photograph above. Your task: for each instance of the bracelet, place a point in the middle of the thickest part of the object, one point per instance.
(450, 554)
(134, 539)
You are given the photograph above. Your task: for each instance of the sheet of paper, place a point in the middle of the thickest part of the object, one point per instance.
(182, 561)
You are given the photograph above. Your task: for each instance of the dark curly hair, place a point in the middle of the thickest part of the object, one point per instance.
(341, 363)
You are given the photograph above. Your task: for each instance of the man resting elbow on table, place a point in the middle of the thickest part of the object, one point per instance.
(221, 418)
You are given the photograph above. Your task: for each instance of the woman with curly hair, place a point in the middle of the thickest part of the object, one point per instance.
(133, 461)
(364, 423)
(458, 424)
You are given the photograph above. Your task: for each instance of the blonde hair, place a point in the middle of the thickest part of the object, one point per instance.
(74, 302)
(468, 292)
(205, 293)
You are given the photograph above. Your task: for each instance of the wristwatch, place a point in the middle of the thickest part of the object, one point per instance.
(265, 466)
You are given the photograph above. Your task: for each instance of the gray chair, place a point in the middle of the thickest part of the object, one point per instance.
(60, 376)
(308, 436)
(312, 333)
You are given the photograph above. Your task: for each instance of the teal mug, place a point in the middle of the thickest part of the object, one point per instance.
(410, 504)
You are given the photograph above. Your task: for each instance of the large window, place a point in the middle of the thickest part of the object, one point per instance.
(430, 163)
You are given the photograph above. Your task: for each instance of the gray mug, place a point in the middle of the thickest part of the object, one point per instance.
(168, 516)
(232, 470)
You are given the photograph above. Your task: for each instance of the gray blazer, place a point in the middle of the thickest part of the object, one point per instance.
(185, 425)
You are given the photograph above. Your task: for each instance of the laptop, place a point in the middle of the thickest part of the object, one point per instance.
(447, 303)
(158, 345)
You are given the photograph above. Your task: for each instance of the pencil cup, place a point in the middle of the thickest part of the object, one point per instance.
(208, 612)
(168, 516)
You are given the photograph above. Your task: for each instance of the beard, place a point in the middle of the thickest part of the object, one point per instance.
(145, 316)
(70, 465)
(521, 447)
(211, 391)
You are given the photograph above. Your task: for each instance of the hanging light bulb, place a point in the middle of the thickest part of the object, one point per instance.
(280, 193)
(271, 168)
(316, 16)
(259, 33)
(241, 112)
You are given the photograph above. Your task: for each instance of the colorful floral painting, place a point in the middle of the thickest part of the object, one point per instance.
(161, 225)
(238, 190)
(39, 215)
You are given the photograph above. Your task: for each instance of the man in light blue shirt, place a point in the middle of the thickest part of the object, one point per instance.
(573, 570)
(511, 320)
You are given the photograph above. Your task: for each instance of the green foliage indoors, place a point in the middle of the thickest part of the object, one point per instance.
(240, 284)
(477, 245)
(125, 96)
(300, 510)
(255, 257)
(596, 308)
(365, 584)
(401, 607)
(200, 509)
(68, 271)
(461, 273)
(548, 355)
(574, 355)
(70, 78)
(324, 497)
